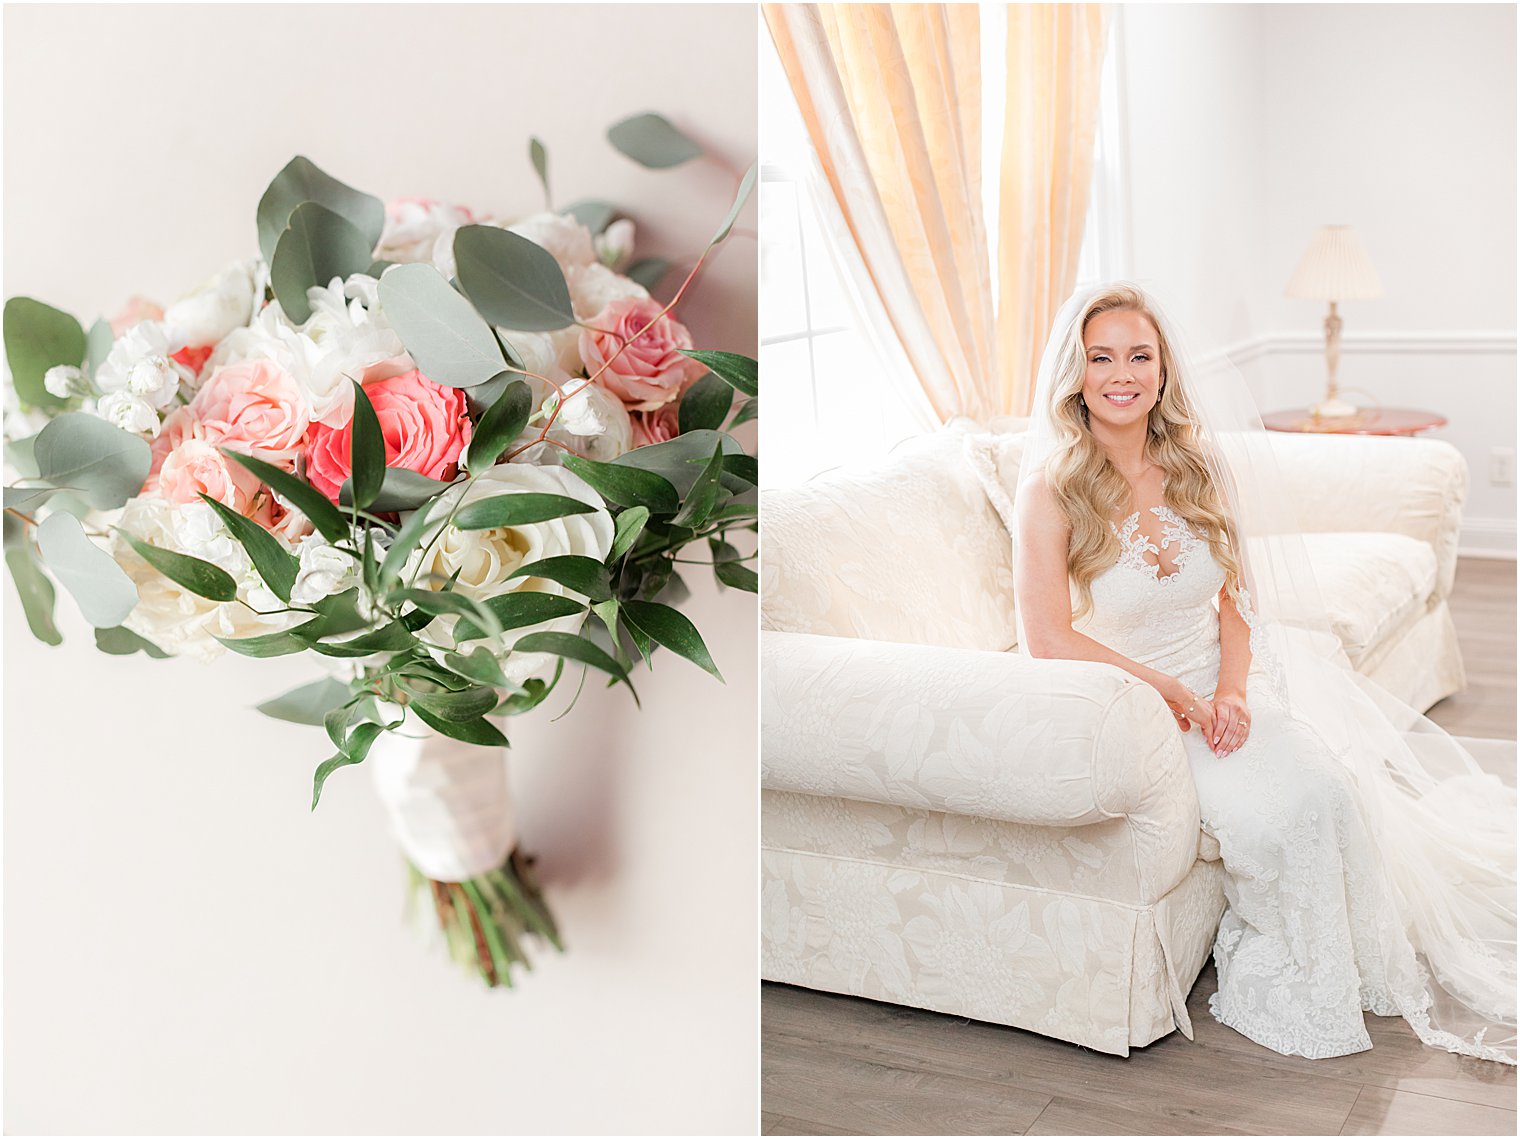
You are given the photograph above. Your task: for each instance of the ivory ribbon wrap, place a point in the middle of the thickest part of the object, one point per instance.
(447, 800)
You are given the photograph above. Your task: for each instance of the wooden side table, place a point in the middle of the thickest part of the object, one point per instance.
(1371, 421)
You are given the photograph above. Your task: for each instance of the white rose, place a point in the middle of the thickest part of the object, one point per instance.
(140, 362)
(567, 240)
(128, 412)
(593, 422)
(545, 353)
(413, 227)
(594, 287)
(210, 312)
(614, 245)
(325, 570)
(484, 559)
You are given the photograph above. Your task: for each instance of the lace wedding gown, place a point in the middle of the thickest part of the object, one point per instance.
(1311, 937)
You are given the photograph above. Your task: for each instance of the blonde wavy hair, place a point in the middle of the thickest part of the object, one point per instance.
(1091, 491)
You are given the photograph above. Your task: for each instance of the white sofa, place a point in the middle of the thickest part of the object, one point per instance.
(954, 826)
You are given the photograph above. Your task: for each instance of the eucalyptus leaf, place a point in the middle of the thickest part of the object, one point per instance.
(650, 140)
(517, 610)
(35, 591)
(448, 339)
(520, 509)
(672, 629)
(503, 422)
(276, 565)
(575, 648)
(705, 405)
(366, 450)
(738, 576)
(25, 499)
(21, 454)
(122, 641)
(586, 576)
(680, 461)
(308, 704)
(704, 493)
(400, 489)
(513, 282)
(97, 346)
(648, 271)
(746, 187)
(106, 595)
(198, 576)
(740, 372)
(104, 464)
(539, 156)
(316, 246)
(630, 524)
(626, 485)
(595, 215)
(302, 181)
(479, 731)
(39, 337)
(326, 517)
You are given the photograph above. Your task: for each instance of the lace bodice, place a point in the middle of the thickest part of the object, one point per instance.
(1165, 620)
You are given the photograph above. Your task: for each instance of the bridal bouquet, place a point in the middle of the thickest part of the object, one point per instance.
(452, 458)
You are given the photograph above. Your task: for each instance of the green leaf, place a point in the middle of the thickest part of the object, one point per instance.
(747, 411)
(586, 576)
(480, 666)
(534, 692)
(649, 271)
(199, 577)
(457, 707)
(336, 722)
(104, 592)
(390, 638)
(97, 346)
(651, 140)
(706, 404)
(539, 156)
(281, 644)
(627, 486)
(26, 499)
(412, 534)
(122, 641)
(316, 246)
(670, 628)
(366, 450)
(35, 591)
(39, 337)
(276, 565)
(439, 603)
(680, 461)
(630, 524)
(737, 371)
(448, 339)
(593, 214)
(301, 181)
(503, 422)
(308, 704)
(353, 752)
(514, 282)
(575, 648)
(742, 466)
(746, 186)
(400, 489)
(21, 454)
(704, 494)
(326, 517)
(481, 731)
(105, 464)
(517, 610)
(517, 510)
(738, 576)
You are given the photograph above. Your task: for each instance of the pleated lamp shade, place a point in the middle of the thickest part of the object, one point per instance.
(1335, 268)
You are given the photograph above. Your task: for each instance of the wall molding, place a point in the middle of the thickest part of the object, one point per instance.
(1487, 538)
(1482, 343)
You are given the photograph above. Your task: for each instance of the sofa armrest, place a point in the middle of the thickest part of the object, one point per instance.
(1400, 486)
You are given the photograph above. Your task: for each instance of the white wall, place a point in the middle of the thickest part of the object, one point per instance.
(187, 948)
(1251, 125)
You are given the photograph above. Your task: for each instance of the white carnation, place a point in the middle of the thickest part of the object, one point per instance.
(140, 362)
(64, 381)
(212, 311)
(325, 570)
(129, 412)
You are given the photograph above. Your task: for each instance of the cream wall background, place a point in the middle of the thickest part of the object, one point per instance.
(187, 948)
(1250, 125)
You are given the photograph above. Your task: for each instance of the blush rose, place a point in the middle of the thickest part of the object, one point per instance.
(650, 371)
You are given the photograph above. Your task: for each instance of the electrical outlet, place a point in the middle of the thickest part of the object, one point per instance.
(1501, 466)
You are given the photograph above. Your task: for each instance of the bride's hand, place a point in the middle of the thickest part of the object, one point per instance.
(1232, 723)
(1189, 708)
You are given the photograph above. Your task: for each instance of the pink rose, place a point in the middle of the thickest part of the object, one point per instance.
(659, 426)
(425, 427)
(254, 407)
(181, 425)
(650, 371)
(196, 467)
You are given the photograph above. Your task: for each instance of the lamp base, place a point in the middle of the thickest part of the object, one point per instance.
(1333, 409)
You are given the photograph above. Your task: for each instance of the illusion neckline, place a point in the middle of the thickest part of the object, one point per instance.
(1136, 544)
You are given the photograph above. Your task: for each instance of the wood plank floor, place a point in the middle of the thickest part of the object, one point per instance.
(833, 1065)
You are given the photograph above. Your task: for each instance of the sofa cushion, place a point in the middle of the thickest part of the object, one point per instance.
(1373, 585)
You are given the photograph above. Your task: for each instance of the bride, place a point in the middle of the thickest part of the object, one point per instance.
(1370, 863)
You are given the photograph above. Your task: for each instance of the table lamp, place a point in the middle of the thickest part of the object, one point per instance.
(1335, 268)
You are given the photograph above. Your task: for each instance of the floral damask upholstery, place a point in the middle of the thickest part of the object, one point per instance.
(951, 825)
